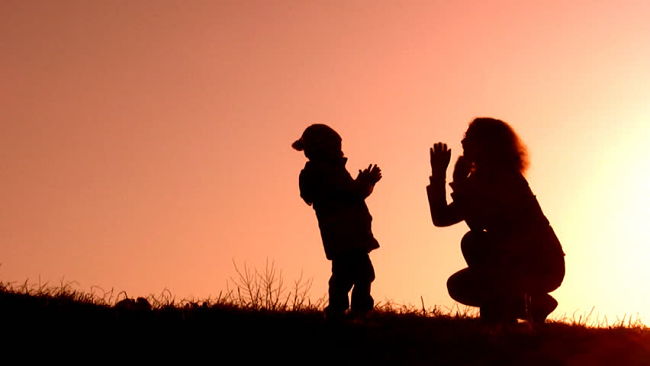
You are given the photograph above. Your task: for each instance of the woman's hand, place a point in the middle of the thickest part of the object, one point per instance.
(440, 155)
(462, 169)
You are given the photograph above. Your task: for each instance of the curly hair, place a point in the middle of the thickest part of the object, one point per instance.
(499, 144)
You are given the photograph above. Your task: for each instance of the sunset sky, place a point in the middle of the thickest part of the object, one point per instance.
(145, 145)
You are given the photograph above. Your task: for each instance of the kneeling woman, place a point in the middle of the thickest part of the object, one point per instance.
(514, 258)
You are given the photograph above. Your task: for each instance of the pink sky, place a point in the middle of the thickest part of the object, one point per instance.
(146, 144)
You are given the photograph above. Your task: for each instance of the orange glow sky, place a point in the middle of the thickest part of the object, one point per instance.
(146, 144)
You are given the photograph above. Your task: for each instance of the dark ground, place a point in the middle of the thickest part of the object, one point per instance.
(55, 329)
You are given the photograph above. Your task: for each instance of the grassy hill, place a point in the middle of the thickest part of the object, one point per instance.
(64, 323)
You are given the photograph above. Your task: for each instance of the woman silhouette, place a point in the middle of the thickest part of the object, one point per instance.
(514, 258)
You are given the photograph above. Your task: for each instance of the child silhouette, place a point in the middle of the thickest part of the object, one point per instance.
(343, 218)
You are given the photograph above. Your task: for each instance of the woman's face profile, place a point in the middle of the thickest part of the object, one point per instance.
(469, 147)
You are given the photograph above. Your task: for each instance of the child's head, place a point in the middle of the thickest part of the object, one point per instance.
(319, 141)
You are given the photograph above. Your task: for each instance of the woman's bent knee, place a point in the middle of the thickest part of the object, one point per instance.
(462, 288)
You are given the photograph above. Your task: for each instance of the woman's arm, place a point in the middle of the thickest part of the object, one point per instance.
(441, 213)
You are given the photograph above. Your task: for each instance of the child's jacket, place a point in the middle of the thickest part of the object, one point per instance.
(343, 217)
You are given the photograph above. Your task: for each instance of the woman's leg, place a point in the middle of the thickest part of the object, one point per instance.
(546, 275)
(466, 287)
(498, 300)
(540, 306)
(474, 246)
(489, 282)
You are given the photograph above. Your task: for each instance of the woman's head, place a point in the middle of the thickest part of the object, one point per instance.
(319, 141)
(493, 143)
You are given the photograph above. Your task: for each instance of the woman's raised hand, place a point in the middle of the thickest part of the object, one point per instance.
(440, 155)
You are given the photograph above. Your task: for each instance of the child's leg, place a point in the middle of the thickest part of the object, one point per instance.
(362, 301)
(340, 284)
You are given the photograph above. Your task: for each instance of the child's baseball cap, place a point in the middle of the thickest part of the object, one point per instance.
(318, 140)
